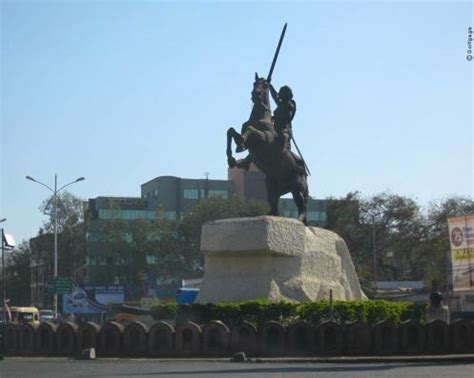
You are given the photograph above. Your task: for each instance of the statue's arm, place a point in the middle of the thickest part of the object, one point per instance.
(274, 94)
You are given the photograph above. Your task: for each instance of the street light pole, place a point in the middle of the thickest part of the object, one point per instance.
(55, 231)
(55, 192)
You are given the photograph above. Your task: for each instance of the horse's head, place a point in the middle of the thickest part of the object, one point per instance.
(260, 91)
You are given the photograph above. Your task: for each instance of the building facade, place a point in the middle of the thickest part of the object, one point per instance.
(175, 195)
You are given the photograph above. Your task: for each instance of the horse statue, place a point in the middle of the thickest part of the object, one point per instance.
(284, 171)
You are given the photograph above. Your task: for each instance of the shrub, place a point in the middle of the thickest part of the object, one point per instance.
(260, 311)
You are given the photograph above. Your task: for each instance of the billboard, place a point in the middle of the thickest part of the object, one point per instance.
(90, 299)
(461, 237)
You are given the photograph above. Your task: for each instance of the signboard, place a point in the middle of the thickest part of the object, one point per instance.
(461, 237)
(92, 299)
(62, 285)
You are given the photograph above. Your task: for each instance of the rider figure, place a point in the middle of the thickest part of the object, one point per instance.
(283, 115)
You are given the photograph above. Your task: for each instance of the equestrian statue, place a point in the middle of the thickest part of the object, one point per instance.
(267, 138)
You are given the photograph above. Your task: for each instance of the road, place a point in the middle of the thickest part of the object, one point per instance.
(52, 368)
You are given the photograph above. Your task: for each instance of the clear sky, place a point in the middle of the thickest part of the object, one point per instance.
(123, 91)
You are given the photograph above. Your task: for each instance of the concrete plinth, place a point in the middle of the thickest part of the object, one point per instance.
(276, 258)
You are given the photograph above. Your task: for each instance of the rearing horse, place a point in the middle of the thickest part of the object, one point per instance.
(284, 171)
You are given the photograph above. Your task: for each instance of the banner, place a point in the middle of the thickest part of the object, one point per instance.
(91, 299)
(461, 237)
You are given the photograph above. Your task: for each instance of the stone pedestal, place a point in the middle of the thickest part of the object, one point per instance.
(275, 258)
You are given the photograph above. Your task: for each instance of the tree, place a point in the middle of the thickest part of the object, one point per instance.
(70, 229)
(18, 276)
(343, 218)
(398, 226)
(69, 212)
(387, 227)
(409, 244)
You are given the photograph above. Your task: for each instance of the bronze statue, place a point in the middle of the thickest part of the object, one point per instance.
(267, 139)
(284, 171)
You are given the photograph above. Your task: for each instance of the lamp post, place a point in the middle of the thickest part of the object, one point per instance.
(4, 289)
(55, 192)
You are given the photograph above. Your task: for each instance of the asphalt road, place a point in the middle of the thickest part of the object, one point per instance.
(52, 368)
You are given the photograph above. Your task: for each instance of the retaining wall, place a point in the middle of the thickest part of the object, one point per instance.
(215, 339)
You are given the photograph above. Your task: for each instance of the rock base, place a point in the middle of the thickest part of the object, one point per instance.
(275, 258)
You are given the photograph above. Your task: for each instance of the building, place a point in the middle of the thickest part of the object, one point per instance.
(106, 246)
(175, 195)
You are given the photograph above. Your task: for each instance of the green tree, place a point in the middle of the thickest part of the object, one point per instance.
(409, 244)
(343, 217)
(70, 229)
(396, 225)
(70, 212)
(17, 275)
(399, 229)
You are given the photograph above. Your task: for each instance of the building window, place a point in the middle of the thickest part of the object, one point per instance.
(191, 193)
(127, 214)
(317, 216)
(217, 193)
(155, 192)
(313, 216)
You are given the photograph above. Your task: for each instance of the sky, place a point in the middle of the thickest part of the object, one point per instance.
(121, 92)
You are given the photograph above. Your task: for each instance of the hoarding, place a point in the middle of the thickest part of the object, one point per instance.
(92, 299)
(461, 237)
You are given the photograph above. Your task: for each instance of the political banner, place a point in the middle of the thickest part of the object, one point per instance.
(461, 237)
(90, 299)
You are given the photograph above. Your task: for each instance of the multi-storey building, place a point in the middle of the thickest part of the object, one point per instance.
(175, 195)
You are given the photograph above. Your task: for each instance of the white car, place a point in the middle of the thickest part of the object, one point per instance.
(46, 315)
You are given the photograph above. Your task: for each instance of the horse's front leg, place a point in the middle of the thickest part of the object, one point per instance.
(231, 134)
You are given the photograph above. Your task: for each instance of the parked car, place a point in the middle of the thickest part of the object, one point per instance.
(20, 315)
(46, 315)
